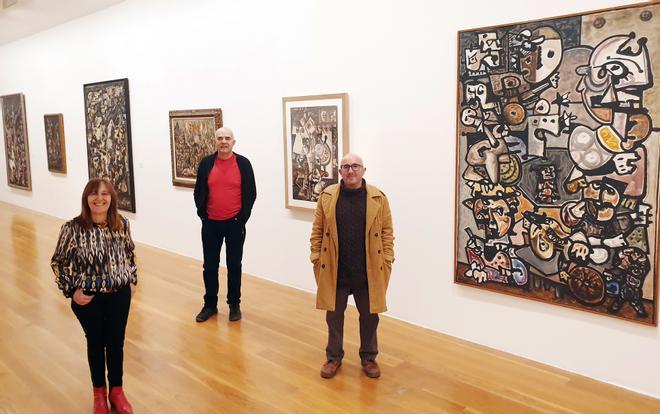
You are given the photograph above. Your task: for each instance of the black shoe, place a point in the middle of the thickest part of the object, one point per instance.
(205, 314)
(234, 313)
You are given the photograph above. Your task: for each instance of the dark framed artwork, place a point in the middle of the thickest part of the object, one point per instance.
(557, 161)
(315, 140)
(17, 151)
(55, 148)
(192, 137)
(108, 124)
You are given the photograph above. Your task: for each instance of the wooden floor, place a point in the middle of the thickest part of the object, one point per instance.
(267, 363)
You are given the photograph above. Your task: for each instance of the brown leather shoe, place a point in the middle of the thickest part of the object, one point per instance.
(371, 368)
(329, 369)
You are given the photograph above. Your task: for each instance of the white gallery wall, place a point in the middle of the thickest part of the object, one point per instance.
(397, 62)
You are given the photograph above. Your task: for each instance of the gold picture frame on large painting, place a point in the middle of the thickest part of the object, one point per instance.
(557, 158)
(192, 137)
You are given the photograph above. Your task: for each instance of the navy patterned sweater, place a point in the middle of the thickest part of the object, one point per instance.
(96, 260)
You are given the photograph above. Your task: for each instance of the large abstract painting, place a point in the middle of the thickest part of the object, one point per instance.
(55, 147)
(17, 153)
(108, 122)
(557, 160)
(192, 137)
(315, 140)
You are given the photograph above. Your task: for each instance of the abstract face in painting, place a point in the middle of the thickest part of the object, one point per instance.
(539, 53)
(618, 71)
(601, 199)
(495, 215)
(476, 93)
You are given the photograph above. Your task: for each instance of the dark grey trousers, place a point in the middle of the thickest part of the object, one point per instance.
(368, 324)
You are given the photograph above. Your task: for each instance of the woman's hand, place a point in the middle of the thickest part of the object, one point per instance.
(80, 298)
(133, 289)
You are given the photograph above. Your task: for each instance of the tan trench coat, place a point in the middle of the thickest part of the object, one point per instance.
(379, 240)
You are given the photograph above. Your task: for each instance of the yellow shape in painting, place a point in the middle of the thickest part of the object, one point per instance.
(609, 138)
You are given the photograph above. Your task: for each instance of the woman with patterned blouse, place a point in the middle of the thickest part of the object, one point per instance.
(94, 264)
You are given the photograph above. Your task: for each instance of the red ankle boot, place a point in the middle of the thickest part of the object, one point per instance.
(119, 402)
(101, 400)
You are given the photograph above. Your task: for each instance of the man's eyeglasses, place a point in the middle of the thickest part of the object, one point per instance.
(354, 167)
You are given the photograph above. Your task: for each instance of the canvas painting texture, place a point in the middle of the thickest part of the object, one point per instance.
(557, 161)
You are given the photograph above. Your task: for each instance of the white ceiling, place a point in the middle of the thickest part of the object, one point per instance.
(31, 16)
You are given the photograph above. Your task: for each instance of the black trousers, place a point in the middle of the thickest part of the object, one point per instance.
(214, 232)
(368, 323)
(104, 322)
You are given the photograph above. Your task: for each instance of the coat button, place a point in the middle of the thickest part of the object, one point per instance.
(327, 233)
(325, 249)
(381, 268)
(323, 266)
(378, 251)
(376, 235)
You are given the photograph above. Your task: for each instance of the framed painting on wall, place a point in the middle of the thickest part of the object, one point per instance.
(55, 148)
(557, 159)
(315, 140)
(108, 124)
(17, 152)
(192, 137)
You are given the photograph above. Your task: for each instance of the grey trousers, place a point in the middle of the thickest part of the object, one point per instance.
(368, 324)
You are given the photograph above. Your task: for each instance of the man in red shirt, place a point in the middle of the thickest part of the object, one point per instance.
(225, 192)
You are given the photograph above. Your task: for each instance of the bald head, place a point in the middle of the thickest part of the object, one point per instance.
(224, 132)
(352, 158)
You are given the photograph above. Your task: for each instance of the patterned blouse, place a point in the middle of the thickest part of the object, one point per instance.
(98, 260)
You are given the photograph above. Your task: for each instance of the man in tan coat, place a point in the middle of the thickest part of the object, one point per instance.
(352, 251)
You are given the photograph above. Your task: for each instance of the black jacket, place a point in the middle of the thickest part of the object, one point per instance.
(248, 186)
